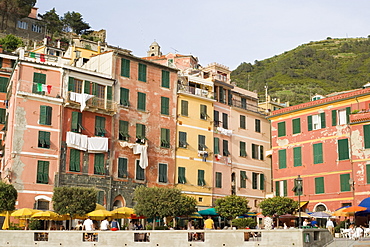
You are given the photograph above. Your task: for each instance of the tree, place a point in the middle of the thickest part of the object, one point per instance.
(73, 20)
(162, 202)
(11, 42)
(14, 9)
(53, 22)
(8, 197)
(74, 200)
(232, 206)
(278, 205)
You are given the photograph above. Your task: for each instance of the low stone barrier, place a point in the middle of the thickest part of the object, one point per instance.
(170, 238)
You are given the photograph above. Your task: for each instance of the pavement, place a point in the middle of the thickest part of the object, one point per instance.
(345, 242)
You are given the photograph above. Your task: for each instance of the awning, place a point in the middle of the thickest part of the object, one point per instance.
(364, 203)
(303, 203)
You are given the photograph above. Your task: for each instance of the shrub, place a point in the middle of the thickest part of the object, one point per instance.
(244, 222)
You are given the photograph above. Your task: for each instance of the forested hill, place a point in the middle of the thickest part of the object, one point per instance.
(321, 67)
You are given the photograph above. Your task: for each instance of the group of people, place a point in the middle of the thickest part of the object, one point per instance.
(105, 225)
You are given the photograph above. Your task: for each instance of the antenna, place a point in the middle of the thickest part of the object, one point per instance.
(176, 51)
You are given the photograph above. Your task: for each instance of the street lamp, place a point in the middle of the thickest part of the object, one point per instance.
(299, 191)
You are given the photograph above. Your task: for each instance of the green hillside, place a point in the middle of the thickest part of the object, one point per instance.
(321, 67)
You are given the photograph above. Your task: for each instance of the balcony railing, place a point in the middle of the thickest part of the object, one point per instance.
(361, 116)
(196, 91)
(95, 103)
(46, 89)
(249, 107)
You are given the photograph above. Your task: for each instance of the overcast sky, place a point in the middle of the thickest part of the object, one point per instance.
(228, 32)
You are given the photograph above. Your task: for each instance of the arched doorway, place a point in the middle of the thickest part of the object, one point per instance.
(118, 202)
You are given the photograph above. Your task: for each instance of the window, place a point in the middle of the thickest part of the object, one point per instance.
(201, 181)
(244, 103)
(76, 125)
(42, 172)
(3, 84)
(216, 118)
(281, 129)
(243, 179)
(165, 138)
(99, 126)
(341, 116)
(225, 121)
(87, 87)
(257, 125)
(38, 80)
(297, 156)
(183, 140)
(140, 132)
(184, 108)
(45, 114)
(162, 176)
(282, 158)
(225, 147)
(123, 131)
(125, 67)
(203, 112)
(257, 152)
(218, 180)
(74, 160)
(36, 28)
(368, 173)
(139, 171)
(316, 122)
(254, 180)
(181, 176)
(281, 188)
(296, 125)
(202, 143)
(141, 101)
(75, 85)
(122, 167)
(142, 72)
(262, 181)
(243, 152)
(366, 129)
(165, 106)
(242, 124)
(216, 143)
(317, 153)
(165, 79)
(343, 150)
(124, 97)
(229, 97)
(2, 115)
(319, 185)
(99, 164)
(22, 25)
(100, 197)
(344, 182)
(44, 139)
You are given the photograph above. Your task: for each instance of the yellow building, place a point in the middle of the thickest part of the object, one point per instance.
(194, 159)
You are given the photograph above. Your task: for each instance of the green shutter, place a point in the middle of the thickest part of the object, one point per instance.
(254, 180)
(74, 163)
(348, 112)
(225, 147)
(281, 129)
(344, 182)
(165, 79)
(184, 107)
(216, 142)
(201, 181)
(243, 177)
(282, 158)
(319, 185)
(333, 117)
(109, 93)
(203, 112)
(76, 121)
(142, 72)
(242, 152)
(322, 118)
(285, 188)
(262, 181)
(141, 101)
(261, 153)
(242, 122)
(181, 176)
(124, 96)
(218, 180)
(139, 171)
(87, 88)
(317, 153)
(122, 167)
(343, 149)
(71, 84)
(182, 139)
(140, 131)
(125, 67)
(296, 126)
(368, 173)
(165, 138)
(45, 114)
(309, 123)
(165, 106)
(38, 78)
(123, 130)
(95, 89)
(366, 129)
(99, 164)
(277, 188)
(162, 176)
(2, 116)
(297, 154)
(3, 84)
(100, 126)
(42, 172)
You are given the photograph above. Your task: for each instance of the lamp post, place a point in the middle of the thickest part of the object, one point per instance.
(299, 191)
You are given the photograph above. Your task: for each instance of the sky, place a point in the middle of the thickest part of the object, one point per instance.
(228, 32)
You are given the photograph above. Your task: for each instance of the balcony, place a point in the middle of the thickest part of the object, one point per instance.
(249, 107)
(92, 104)
(361, 116)
(195, 91)
(37, 89)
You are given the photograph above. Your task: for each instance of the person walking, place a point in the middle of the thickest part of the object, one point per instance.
(330, 226)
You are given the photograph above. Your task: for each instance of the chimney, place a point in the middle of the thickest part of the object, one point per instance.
(99, 47)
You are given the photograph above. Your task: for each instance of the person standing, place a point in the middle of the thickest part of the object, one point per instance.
(88, 224)
(115, 225)
(330, 226)
(104, 226)
(209, 224)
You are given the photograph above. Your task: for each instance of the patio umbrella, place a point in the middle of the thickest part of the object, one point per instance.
(303, 214)
(46, 215)
(209, 211)
(122, 212)
(339, 212)
(354, 209)
(320, 215)
(195, 215)
(287, 216)
(99, 214)
(99, 207)
(6, 223)
(24, 213)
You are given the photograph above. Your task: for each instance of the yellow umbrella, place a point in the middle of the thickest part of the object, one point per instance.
(99, 214)
(24, 213)
(46, 215)
(122, 212)
(6, 223)
(340, 212)
(99, 207)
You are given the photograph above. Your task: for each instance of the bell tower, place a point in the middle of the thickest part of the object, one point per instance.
(154, 50)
